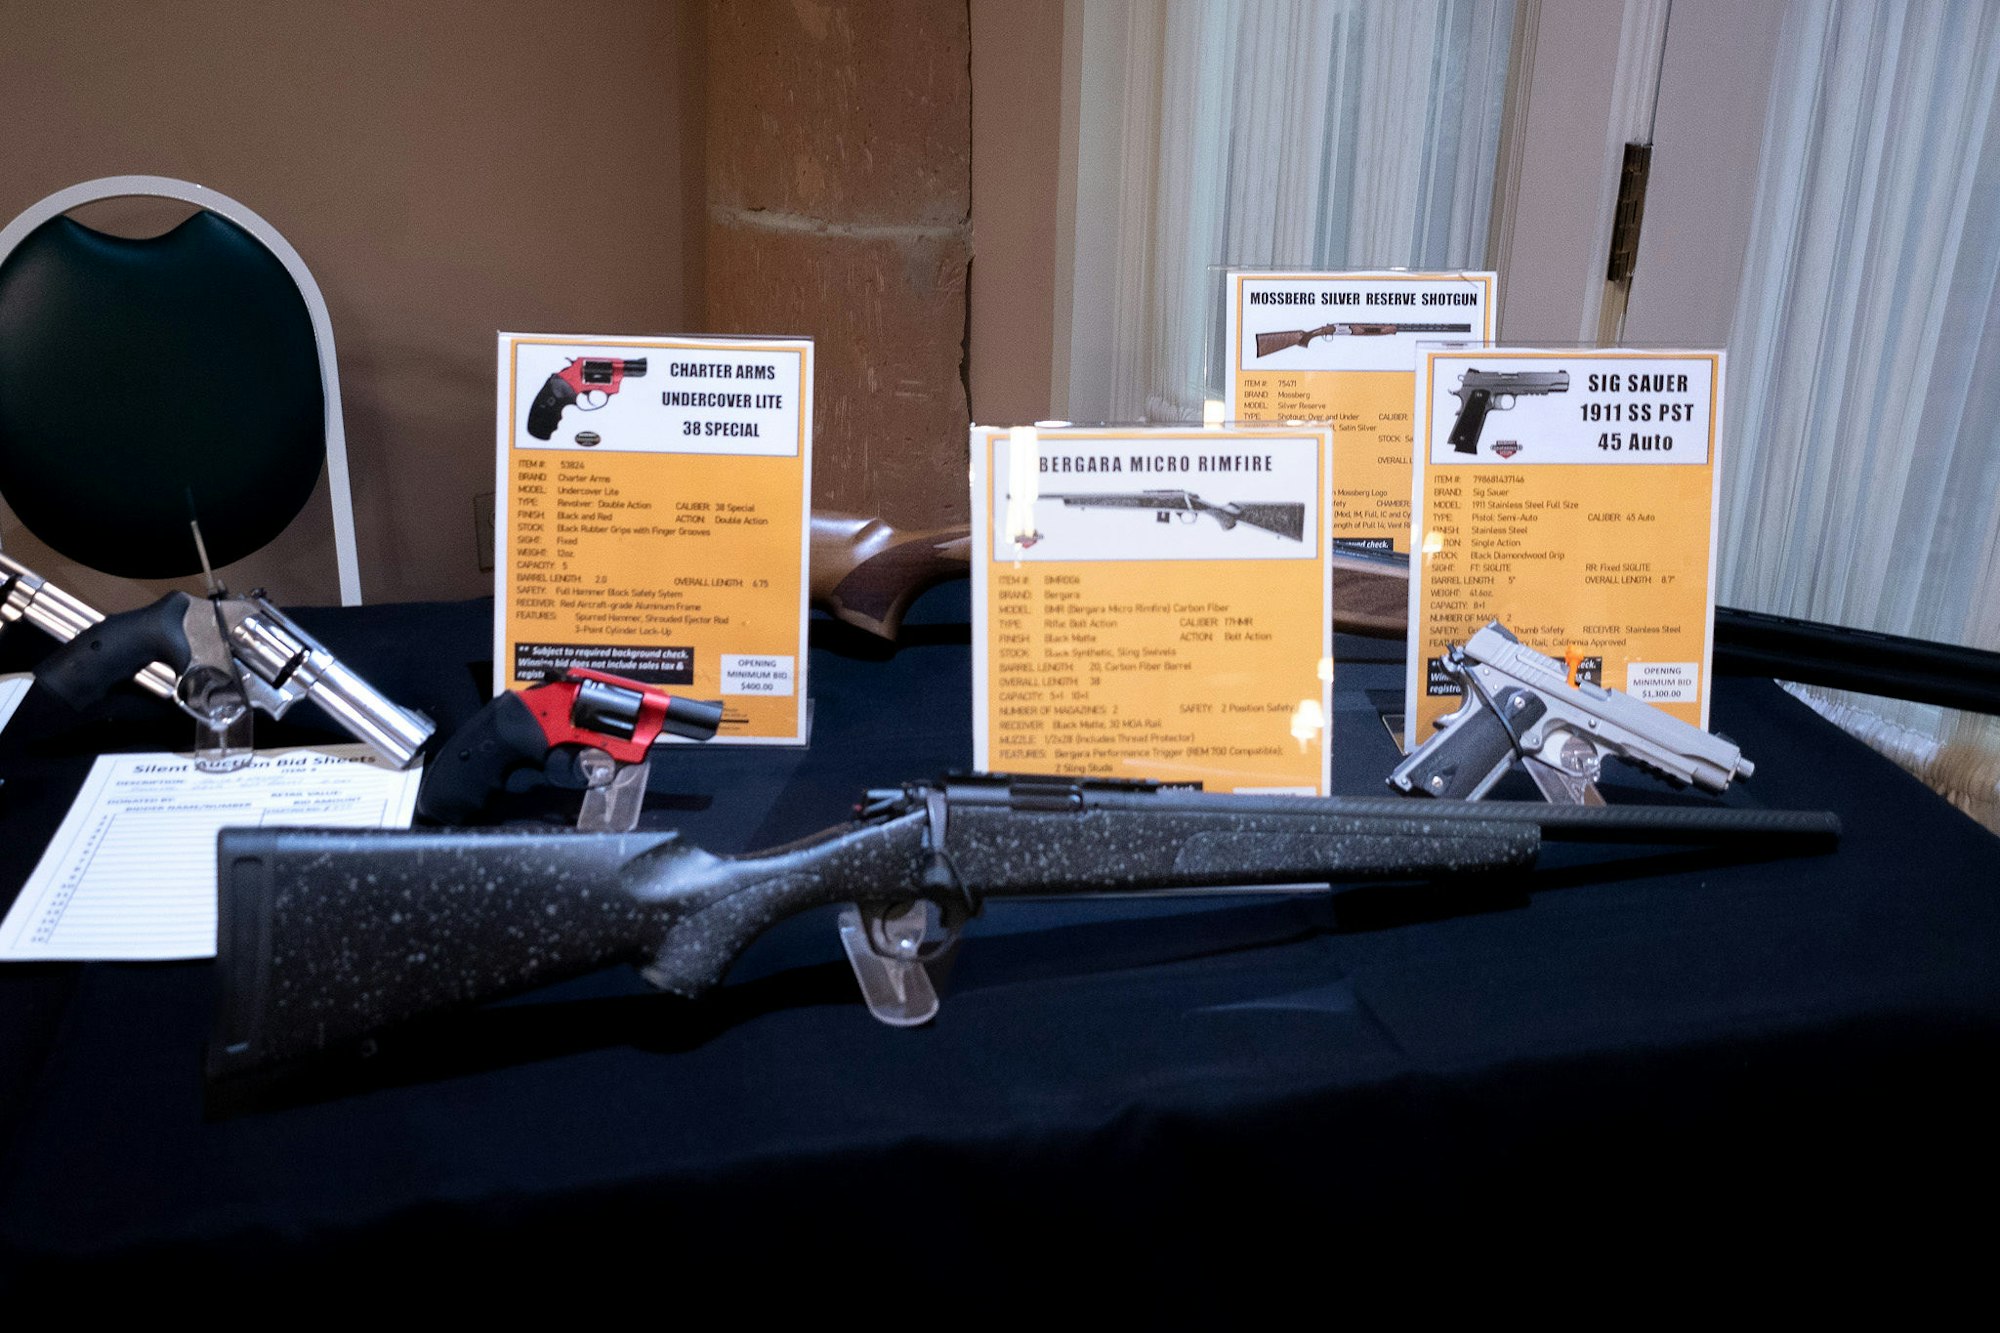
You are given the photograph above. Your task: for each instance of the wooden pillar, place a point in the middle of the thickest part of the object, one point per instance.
(839, 143)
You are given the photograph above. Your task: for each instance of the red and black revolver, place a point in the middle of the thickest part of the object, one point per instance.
(586, 384)
(585, 729)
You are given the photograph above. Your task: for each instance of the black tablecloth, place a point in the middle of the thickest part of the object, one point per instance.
(1167, 1096)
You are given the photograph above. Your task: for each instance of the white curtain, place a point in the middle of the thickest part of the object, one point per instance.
(1304, 133)
(1864, 454)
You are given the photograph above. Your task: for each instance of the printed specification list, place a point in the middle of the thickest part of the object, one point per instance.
(1138, 630)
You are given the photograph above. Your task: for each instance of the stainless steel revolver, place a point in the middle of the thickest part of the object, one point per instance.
(1519, 705)
(216, 657)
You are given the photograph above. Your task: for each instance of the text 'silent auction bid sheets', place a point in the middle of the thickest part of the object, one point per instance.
(651, 519)
(1570, 495)
(1343, 347)
(1153, 603)
(130, 874)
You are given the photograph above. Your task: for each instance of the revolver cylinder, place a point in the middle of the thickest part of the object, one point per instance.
(294, 666)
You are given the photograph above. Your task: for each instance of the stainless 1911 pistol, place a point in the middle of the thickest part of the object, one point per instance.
(1520, 705)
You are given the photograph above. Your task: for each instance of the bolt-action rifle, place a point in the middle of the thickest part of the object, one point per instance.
(328, 935)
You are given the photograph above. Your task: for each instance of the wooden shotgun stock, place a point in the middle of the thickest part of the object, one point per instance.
(867, 573)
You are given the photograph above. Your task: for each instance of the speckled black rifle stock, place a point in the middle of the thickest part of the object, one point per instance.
(328, 935)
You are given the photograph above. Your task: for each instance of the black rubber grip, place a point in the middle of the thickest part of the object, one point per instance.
(87, 668)
(1456, 764)
(1471, 421)
(474, 765)
(545, 413)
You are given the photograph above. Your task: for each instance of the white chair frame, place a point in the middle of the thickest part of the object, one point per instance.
(165, 187)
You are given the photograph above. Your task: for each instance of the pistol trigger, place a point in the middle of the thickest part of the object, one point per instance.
(595, 767)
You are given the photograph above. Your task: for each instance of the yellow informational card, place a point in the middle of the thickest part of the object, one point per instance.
(1342, 347)
(1570, 495)
(651, 519)
(1153, 603)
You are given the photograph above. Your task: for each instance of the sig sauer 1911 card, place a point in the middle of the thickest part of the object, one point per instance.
(1571, 495)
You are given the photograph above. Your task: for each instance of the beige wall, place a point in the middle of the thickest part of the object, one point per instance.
(447, 169)
(839, 183)
(453, 168)
(1017, 73)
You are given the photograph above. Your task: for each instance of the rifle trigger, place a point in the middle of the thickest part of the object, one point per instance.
(940, 874)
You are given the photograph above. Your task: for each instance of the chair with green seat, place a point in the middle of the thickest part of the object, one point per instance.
(145, 380)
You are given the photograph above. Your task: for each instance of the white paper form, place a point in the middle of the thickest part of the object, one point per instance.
(13, 689)
(131, 872)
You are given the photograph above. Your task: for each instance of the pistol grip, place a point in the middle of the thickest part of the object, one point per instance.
(84, 670)
(1471, 422)
(545, 413)
(473, 767)
(1463, 762)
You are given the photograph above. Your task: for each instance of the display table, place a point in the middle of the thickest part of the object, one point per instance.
(1164, 1094)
